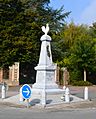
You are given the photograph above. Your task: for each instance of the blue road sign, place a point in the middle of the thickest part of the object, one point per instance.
(26, 91)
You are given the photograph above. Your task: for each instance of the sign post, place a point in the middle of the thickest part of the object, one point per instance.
(26, 93)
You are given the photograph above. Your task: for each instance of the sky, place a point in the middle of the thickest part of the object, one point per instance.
(82, 11)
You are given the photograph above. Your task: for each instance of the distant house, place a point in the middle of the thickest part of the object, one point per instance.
(10, 75)
(18, 74)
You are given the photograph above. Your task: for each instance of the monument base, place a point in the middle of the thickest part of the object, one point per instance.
(48, 91)
(45, 78)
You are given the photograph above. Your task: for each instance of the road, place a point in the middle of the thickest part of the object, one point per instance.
(24, 113)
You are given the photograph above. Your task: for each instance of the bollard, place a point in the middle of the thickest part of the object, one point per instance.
(20, 95)
(64, 88)
(86, 93)
(62, 97)
(67, 95)
(43, 102)
(3, 92)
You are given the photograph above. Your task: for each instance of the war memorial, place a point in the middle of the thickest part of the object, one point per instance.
(45, 92)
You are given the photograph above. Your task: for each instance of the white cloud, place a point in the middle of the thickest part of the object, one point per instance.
(88, 16)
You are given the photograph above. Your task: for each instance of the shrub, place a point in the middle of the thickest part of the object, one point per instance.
(76, 75)
(81, 83)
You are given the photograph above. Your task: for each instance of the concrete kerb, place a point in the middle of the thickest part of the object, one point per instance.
(64, 106)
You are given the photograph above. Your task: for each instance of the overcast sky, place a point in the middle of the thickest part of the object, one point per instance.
(83, 11)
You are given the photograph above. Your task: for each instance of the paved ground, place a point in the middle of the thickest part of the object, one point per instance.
(75, 91)
(79, 91)
(77, 110)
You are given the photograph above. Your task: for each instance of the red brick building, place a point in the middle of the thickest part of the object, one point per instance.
(10, 75)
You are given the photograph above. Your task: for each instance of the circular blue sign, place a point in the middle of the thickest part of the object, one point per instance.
(26, 91)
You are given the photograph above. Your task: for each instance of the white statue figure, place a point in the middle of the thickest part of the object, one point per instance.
(45, 30)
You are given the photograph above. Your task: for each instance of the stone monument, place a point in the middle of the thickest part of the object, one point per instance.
(45, 77)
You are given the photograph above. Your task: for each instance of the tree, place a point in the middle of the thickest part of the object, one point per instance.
(83, 56)
(80, 51)
(20, 28)
(9, 10)
(93, 30)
